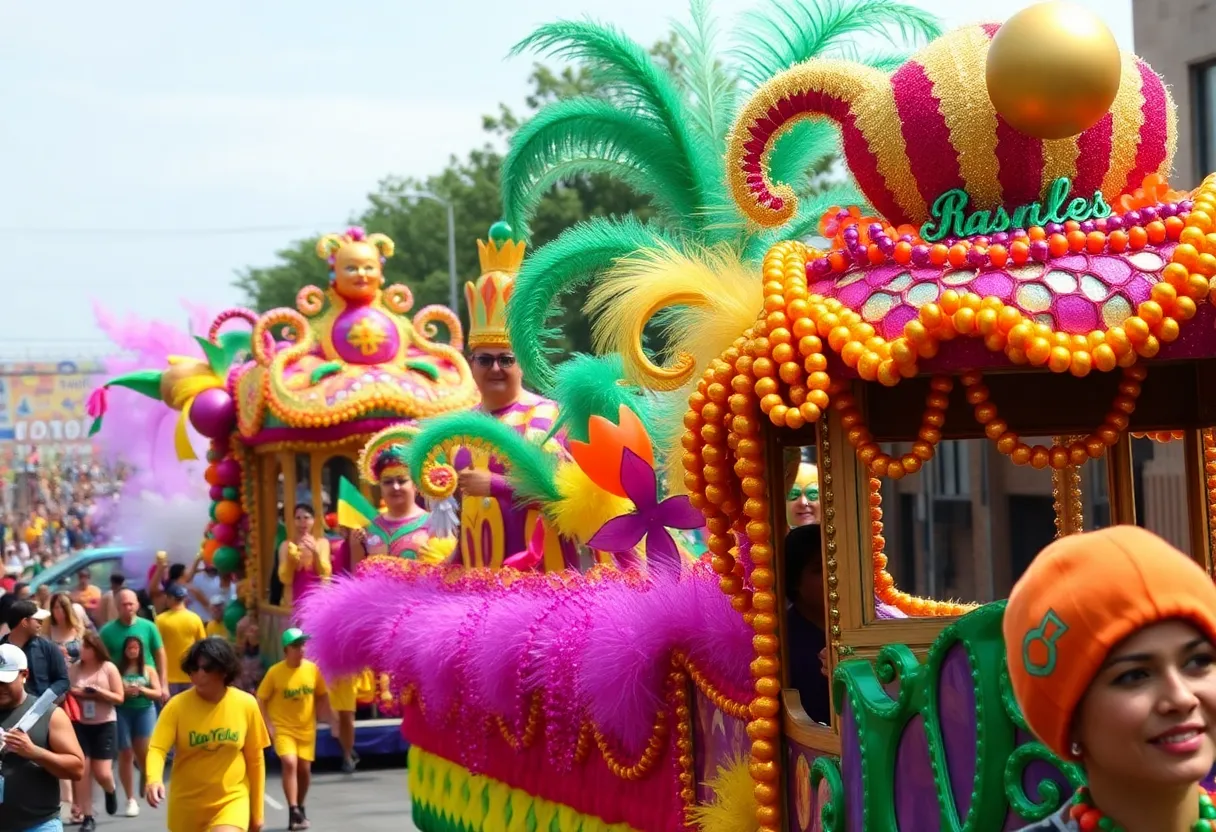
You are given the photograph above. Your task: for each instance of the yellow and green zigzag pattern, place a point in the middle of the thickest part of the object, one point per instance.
(449, 798)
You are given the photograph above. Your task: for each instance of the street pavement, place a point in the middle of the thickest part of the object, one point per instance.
(373, 799)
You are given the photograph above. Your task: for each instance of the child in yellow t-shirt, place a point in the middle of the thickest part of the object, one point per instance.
(216, 734)
(291, 694)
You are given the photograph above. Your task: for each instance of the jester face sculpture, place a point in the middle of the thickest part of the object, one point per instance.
(357, 274)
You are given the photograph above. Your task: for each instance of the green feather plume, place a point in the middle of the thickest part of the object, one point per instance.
(788, 32)
(574, 258)
(713, 86)
(625, 70)
(582, 136)
(637, 89)
(589, 385)
(530, 468)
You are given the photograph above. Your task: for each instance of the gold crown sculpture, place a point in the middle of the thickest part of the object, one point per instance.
(500, 258)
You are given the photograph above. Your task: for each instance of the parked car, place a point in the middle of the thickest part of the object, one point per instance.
(101, 563)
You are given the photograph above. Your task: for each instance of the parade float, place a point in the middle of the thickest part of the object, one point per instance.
(1026, 271)
(287, 401)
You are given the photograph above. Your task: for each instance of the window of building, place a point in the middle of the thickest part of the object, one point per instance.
(1203, 112)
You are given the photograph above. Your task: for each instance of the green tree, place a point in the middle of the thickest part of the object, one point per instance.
(473, 185)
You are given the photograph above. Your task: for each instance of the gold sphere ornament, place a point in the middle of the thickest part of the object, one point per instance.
(1053, 70)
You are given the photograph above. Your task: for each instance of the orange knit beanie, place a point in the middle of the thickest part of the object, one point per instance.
(1081, 596)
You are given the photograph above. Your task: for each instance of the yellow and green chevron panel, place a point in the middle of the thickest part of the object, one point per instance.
(449, 798)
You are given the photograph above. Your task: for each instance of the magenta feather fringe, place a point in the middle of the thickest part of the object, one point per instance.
(593, 648)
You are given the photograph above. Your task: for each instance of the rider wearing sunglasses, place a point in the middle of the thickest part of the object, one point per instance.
(493, 527)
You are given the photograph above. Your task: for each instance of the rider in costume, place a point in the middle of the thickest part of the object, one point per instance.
(492, 527)
(802, 497)
(402, 529)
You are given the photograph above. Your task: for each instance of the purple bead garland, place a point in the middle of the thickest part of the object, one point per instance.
(977, 256)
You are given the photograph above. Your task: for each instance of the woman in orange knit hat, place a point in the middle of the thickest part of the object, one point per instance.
(1111, 643)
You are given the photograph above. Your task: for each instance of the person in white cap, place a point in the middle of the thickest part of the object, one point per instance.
(35, 760)
(47, 667)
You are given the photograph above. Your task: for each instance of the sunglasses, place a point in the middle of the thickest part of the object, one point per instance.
(485, 361)
(811, 492)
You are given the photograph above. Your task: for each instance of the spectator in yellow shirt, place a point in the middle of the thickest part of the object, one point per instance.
(180, 629)
(217, 737)
(291, 695)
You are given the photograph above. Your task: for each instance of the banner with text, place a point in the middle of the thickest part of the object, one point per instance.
(42, 404)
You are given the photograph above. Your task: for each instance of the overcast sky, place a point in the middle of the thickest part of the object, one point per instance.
(275, 117)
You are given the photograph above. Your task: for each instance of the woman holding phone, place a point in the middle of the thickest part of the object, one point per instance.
(97, 686)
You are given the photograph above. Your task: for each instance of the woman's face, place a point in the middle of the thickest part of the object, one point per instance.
(802, 505)
(1150, 713)
(303, 522)
(87, 654)
(131, 651)
(59, 612)
(207, 679)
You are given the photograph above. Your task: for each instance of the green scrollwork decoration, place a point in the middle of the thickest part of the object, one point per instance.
(1048, 791)
(831, 814)
(880, 719)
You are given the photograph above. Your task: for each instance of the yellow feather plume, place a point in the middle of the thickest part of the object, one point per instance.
(734, 806)
(437, 549)
(583, 506)
(712, 297)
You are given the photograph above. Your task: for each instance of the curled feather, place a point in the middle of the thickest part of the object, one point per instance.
(707, 299)
(531, 467)
(576, 257)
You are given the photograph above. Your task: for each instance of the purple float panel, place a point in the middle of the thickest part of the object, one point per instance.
(717, 740)
(803, 803)
(850, 770)
(915, 796)
(956, 713)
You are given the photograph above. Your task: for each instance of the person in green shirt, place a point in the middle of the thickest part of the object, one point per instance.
(128, 624)
(136, 716)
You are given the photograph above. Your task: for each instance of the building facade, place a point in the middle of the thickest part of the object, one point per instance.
(1178, 39)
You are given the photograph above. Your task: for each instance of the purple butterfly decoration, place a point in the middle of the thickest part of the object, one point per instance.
(651, 519)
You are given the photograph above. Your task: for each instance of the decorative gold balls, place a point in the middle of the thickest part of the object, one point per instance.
(1053, 70)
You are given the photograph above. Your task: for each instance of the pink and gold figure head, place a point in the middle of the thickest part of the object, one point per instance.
(356, 260)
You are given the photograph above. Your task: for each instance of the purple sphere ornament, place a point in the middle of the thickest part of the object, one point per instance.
(229, 471)
(213, 413)
(216, 493)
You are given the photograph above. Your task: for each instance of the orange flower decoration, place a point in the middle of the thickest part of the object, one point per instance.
(600, 456)
(1153, 190)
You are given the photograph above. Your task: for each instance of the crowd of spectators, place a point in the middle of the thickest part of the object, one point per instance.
(53, 511)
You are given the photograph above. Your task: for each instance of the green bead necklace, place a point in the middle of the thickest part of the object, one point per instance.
(1090, 818)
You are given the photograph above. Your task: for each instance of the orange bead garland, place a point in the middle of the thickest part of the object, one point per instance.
(884, 583)
(1058, 456)
(872, 456)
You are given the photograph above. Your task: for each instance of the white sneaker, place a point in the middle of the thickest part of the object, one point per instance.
(132, 808)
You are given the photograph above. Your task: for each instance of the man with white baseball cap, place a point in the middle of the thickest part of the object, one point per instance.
(32, 762)
(47, 669)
